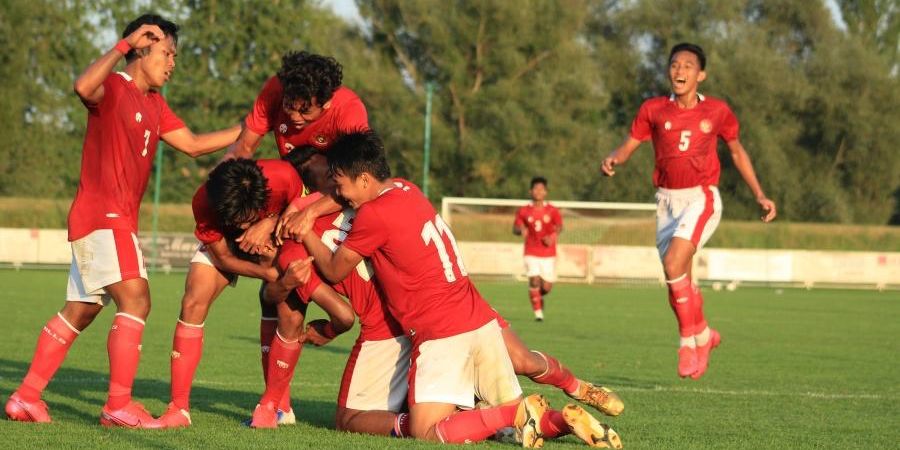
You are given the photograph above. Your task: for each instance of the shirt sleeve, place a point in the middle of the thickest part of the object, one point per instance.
(290, 252)
(520, 218)
(207, 230)
(557, 220)
(730, 127)
(168, 120)
(641, 126)
(369, 232)
(353, 117)
(265, 108)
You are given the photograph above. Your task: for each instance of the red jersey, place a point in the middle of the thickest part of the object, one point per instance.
(117, 156)
(345, 115)
(284, 186)
(685, 140)
(540, 221)
(418, 264)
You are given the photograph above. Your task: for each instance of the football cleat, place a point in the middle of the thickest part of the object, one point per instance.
(286, 417)
(589, 430)
(264, 416)
(133, 415)
(603, 399)
(703, 352)
(687, 361)
(174, 417)
(20, 410)
(528, 421)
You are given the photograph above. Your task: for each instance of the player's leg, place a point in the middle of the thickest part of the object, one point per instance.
(545, 369)
(284, 352)
(203, 285)
(547, 277)
(705, 338)
(53, 345)
(268, 323)
(374, 388)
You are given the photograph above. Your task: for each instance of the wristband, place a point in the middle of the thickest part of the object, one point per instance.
(123, 47)
(328, 331)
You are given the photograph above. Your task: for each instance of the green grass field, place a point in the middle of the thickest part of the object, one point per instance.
(800, 369)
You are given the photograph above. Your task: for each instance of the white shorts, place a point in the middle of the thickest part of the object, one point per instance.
(201, 256)
(458, 368)
(102, 258)
(691, 214)
(538, 266)
(376, 374)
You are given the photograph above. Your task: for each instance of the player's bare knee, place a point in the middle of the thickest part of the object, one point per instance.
(343, 417)
(534, 282)
(79, 314)
(194, 309)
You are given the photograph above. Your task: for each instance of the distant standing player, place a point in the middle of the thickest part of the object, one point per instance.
(126, 118)
(685, 127)
(540, 223)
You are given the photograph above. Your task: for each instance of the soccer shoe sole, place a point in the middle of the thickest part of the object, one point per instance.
(528, 421)
(600, 398)
(589, 430)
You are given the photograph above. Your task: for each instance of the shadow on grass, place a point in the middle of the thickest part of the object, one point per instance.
(90, 387)
(337, 349)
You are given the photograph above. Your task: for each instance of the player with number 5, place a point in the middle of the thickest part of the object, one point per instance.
(685, 127)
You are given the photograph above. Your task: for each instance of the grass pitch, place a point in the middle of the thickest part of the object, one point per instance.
(800, 369)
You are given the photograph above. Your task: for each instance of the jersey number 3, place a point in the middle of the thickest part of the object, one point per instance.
(434, 231)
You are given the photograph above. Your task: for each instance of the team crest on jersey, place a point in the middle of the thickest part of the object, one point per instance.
(705, 126)
(547, 218)
(138, 117)
(282, 128)
(530, 219)
(320, 139)
(667, 125)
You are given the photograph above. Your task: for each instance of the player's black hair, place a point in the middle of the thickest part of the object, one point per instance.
(237, 191)
(305, 75)
(688, 47)
(538, 180)
(358, 152)
(168, 28)
(298, 157)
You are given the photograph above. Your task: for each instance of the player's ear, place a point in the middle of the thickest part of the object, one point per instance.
(327, 105)
(701, 76)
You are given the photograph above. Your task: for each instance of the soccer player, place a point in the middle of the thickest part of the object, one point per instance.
(457, 343)
(126, 118)
(238, 193)
(540, 223)
(685, 127)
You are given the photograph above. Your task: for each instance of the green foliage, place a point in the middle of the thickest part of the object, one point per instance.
(522, 88)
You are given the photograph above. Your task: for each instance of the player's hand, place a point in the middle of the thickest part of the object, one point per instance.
(258, 238)
(607, 167)
(316, 334)
(768, 208)
(296, 225)
(549, 240)
(145, 36)
(297, 273)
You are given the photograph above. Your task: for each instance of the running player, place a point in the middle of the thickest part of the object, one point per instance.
(126, 118)
(540, 223)
(685, 127)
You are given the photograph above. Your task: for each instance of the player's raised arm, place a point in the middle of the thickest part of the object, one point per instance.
(89, 86)
(619, 156)
(194, 145)
(333, 266)
(745, 167)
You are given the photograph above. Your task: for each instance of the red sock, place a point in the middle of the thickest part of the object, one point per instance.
(681, 291)
(534, 294)
(401, 426)
(556, 375)
(52, 346)
(475, 425)
(553, 424)
(283, 358)
(124, 348)
(697, 305)
(267, 328)
(187, 347)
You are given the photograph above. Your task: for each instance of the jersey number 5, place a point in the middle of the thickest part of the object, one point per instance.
(685, 141)
(434, 231)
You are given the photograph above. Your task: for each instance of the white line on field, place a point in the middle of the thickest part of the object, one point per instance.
(657, 388)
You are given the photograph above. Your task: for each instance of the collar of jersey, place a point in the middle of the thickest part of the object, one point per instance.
(700, 97)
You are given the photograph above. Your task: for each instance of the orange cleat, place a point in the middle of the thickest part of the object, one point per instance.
(703, 353)
(20, 410)
(264, 416)
(133, 415)
(687, 361)
(174, 417)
